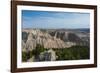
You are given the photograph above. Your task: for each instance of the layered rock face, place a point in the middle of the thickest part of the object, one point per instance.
(52, 39)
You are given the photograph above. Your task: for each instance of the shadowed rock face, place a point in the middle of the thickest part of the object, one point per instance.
(53, 38)
(72, 37)
(25, 36)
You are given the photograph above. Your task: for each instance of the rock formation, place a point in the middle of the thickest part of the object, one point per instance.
(52, 39)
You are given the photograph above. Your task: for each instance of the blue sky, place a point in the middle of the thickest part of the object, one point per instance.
(54, 20)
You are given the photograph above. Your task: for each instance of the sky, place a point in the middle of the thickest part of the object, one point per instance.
(54, 20)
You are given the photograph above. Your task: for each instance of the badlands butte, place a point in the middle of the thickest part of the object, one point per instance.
(54, 38)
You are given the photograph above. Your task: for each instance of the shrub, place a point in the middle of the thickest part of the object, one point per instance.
(73, 53)
(24, 56)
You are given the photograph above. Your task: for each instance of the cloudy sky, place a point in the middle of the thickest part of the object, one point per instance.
(45, 19)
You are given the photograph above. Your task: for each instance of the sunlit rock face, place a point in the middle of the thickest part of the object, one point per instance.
(31, 42)
(23, 46)
(52, 38)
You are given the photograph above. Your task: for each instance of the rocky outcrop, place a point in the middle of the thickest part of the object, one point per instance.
(52, 39)
(49, 55)
(30, 43)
